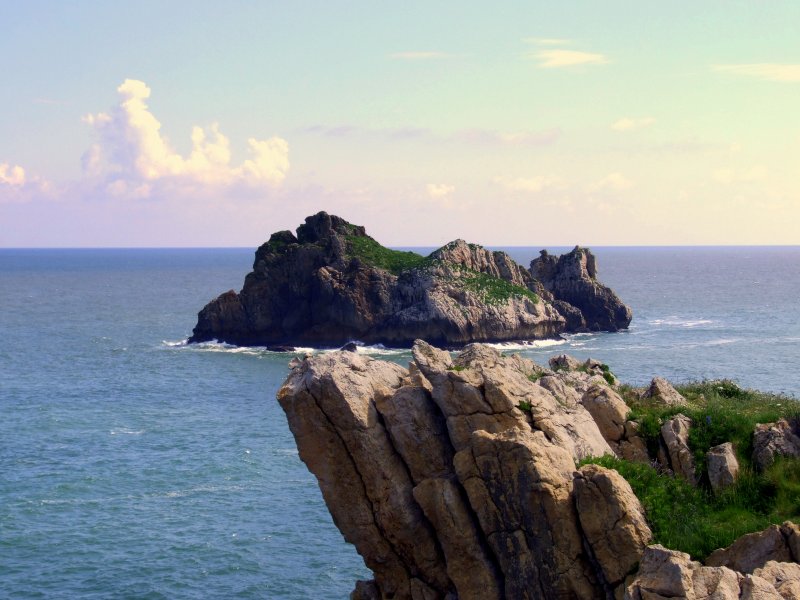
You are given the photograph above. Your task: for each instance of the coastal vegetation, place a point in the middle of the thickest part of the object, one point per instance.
(374, 254)
(694, 519)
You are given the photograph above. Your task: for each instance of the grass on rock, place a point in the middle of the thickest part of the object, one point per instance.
(692, 519)
(372, 253)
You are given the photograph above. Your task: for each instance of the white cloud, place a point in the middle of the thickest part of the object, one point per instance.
(612, 181)
(553, 59)
(439, 190)
(13, 176)
(766, 71)
(629, 123)
(131, 149)
(728, 176)
(419, 55)
(532, 185)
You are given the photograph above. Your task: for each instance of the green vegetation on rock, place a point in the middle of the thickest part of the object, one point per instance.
(494, 290)
(693, 519)
(372, 253)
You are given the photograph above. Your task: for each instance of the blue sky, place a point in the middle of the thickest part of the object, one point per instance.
(512, 123)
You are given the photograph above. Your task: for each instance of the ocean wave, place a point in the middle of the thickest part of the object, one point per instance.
(126, 431)
(510, 346)
(674, 321)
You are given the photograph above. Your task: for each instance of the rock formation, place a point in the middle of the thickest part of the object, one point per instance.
(331, 283)
(456, 479)
(723, 466)
(776, 439)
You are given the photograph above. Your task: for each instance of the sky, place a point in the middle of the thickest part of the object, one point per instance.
(172, 124)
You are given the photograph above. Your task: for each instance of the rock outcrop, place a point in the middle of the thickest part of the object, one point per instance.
(662, 392)
(456, 479)
(332, 283)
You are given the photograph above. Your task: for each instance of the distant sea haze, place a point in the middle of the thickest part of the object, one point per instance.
(132, 464)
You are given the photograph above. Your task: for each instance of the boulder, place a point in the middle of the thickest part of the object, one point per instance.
(608, 410)
(613, 521)
(331, 283)
(776, 439)
(565, 362)
(723, 467)
(754, 550)
(675, 436)
(662, 392)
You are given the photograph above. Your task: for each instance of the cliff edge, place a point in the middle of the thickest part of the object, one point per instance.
(331, 283)
(456, 479)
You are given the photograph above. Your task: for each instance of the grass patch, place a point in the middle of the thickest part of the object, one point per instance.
(456, 368)
(720, 411)
(535, 376)
(372, 253)
(494, 290)
(691, 520)
(524, 406)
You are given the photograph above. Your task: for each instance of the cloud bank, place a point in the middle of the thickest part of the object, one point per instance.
(13, 176)
(131, 154)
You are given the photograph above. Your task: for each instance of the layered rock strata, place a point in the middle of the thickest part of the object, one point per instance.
(332, 283)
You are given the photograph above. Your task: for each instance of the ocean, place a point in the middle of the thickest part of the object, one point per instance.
(135, 466)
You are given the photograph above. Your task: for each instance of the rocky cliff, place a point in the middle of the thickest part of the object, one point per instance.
(456, 479)
(332, 283)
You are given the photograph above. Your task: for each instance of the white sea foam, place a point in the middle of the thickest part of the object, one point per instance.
(125, 431)
(527, 345)
(674, 321)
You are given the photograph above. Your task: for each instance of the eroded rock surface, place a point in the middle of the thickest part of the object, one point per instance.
(456, 478)
(331, 283)
(723, 466)
(772, 440)
(662, 392)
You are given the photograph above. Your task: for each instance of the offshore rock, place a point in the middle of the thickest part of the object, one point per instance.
(572, 279)
(456, 478)
(331, 283)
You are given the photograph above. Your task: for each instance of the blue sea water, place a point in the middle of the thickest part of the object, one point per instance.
(134, 466)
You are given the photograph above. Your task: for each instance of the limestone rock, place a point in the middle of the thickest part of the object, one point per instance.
(776, 439)
(670, 574)
(633, 447)
(331, 283)
(723, 467)
(662, 392)
(612, 519)
(754, 550)
(608, 410)
(675, 435)
(565, 362)
(784, 577)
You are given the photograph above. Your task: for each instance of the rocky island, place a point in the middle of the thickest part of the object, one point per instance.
(331, 283)
(484, 476)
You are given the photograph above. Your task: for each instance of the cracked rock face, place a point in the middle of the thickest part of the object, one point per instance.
(456, 478)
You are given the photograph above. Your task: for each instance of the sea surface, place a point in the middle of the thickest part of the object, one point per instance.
(135, 466)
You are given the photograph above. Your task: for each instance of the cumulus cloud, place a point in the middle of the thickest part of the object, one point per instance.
(765, 71)
(612, 181)
(439, 190)
(13, 176)
(728, 176)
(132, 153)
(531, 185)
(558, 58)
(629, 123)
